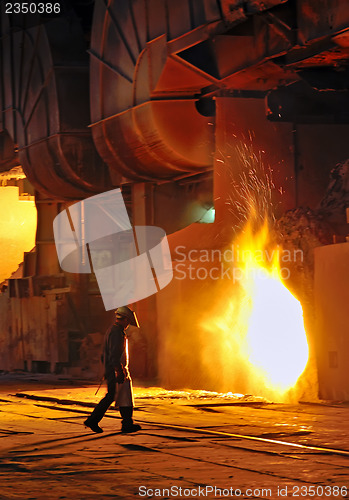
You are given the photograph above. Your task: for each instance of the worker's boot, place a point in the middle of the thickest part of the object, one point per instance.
(93, 425)
(127, 426)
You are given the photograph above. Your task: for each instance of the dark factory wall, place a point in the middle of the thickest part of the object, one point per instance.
(321, 148)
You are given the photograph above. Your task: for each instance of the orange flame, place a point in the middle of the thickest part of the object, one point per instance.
(18, 225)
(264, 343)
(276, 337)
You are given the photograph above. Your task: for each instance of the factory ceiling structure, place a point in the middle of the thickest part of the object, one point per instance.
(145, 95)
(137, 102)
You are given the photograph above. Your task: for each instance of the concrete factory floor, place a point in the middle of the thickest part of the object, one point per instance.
(192, 444)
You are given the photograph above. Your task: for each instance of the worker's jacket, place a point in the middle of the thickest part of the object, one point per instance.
(114, 349)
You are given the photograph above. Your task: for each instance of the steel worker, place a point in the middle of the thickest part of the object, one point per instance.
(116, 374)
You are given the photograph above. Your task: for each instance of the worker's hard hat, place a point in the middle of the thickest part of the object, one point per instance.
(125, 312)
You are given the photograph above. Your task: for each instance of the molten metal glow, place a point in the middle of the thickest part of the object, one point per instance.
(259, 326)
(17, 229)
(276, 342)
(276, 334)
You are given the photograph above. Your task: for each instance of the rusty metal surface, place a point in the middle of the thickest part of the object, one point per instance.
(45, 109)
(319, 18)
(237, 10)
(150, 61)
(31, 331)
(134, 133)
(149, 57)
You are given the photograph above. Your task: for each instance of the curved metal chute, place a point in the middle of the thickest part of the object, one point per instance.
(144, 119)
(44, 77)
(152, 61)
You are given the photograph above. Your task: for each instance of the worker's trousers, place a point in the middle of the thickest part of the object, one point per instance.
(99, 412)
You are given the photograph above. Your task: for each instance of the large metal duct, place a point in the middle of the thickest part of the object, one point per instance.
(143, 105)
(44, 101)
(155, 66)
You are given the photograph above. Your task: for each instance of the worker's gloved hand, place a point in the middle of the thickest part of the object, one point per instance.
(120, 377)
